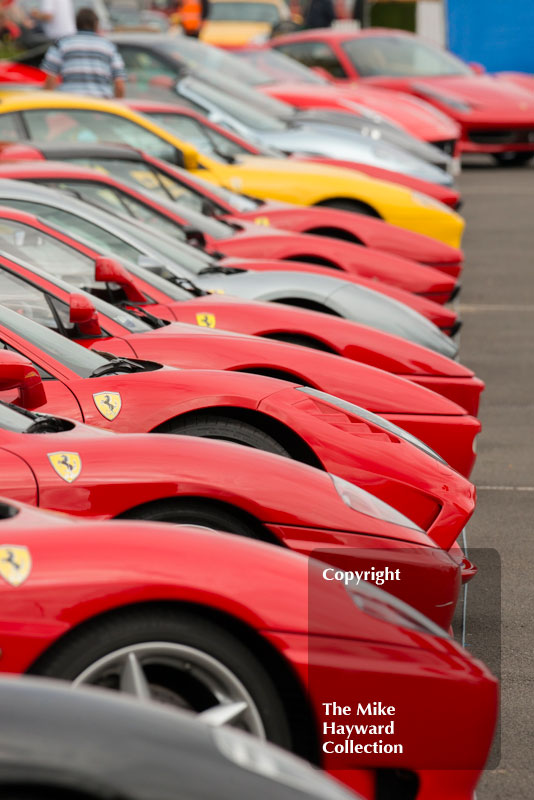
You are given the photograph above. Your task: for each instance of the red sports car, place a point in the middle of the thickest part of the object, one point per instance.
(140, 607)
(304, 88)
(496, 116)
(28, 239)
(173, 183)
(234, 237)
(296, 421)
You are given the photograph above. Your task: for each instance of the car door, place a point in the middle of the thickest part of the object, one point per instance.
(16, 477)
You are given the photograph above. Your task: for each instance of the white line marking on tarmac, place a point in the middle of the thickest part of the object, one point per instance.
(475, 309)
(507, 488)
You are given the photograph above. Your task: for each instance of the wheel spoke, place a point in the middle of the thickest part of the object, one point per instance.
(132, 678)
(223, 714)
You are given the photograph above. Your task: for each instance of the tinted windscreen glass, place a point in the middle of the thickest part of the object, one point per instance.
(277, 67)
(245, 12)
(196, 54)
(73, 356)
(401, 56)
(13, 420)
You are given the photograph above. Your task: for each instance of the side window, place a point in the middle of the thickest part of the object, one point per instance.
(25, 299)
(78, 125)
(144, 66)
(29, 244)
(9, 128)
(314, 54)
(87, 231)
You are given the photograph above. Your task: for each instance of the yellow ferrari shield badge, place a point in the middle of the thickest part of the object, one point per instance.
(206, 320)
(108, 403)
(67, 465)
(15, 563)
(265, 221)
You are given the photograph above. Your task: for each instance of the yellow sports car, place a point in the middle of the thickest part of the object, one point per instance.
(232, 23)
(59, 117)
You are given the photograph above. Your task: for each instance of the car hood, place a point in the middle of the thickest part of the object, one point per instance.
(361, 384)
(340, 297)
(342, 143)
(484, 93)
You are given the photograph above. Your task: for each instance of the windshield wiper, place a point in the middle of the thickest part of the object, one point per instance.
(187, 284)
(137, 310)
(216, 269)
(117, 365)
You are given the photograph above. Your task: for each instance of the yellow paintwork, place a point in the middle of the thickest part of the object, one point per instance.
(301, 182)
(225, 33)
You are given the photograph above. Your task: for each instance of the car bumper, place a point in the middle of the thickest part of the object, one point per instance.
(452, 437)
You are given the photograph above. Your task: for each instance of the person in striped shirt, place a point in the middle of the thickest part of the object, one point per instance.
(85, 62)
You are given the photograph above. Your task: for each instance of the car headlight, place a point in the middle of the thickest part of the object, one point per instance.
(452, 102)
(429, 202)
(374, 419)
(385, 607)
(277, 765)
(360, 500)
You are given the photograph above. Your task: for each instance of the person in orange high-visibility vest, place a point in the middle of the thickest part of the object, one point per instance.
(192, 14)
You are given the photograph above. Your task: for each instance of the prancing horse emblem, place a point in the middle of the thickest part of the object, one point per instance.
(108, 403)
(15, 563)
(67, 465)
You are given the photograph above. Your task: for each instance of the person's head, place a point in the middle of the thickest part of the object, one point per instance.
(86, 20)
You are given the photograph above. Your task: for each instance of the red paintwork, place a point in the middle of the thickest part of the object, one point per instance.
(420, 119)
(151, 399)
(496, 105)
(247, 240)
(350, 226)
(265, 590)
(444, 194)
(290, 503)
(349, 339)
(11, 72)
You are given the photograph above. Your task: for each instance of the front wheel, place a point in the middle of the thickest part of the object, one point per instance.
(512, 159)
(215, 426)
(176, 658)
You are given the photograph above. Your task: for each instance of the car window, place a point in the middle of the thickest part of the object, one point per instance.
(9, 128)
(79, 125)
(245, 12)
(109, 198)
(20, 296)
(76, 226)
(145, 66)
(279, 67)
(206, 140)
(21, 241)
(401, 56)
(314, 54)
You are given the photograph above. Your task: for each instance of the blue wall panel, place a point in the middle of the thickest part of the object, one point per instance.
(497, 33)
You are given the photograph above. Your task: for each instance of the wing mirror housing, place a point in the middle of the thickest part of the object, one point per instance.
(84, 315)
(478, 69)
(323, 73)
(16, 372)
(109, 270)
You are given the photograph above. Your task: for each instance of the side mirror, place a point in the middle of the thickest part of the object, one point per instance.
(109, 270)
(16, 372)
(84, 315)
(189, 158)
(478, 69)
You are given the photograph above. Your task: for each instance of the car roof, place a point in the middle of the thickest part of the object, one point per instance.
(340, 34)
(44, 169)
(80, 150)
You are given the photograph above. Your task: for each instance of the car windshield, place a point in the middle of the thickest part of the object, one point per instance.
(197, 54)
(279, 68)
(78, 359)
(106, 242)
(255, 115)
(14, 419)
(401, 56)
(245, 12)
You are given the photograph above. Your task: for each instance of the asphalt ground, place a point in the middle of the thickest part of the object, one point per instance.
(497, 342)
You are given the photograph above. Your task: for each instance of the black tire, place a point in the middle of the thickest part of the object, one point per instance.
(214, 426)
(512, 159)
(351, 205)
(101, 637)
(196, 512)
